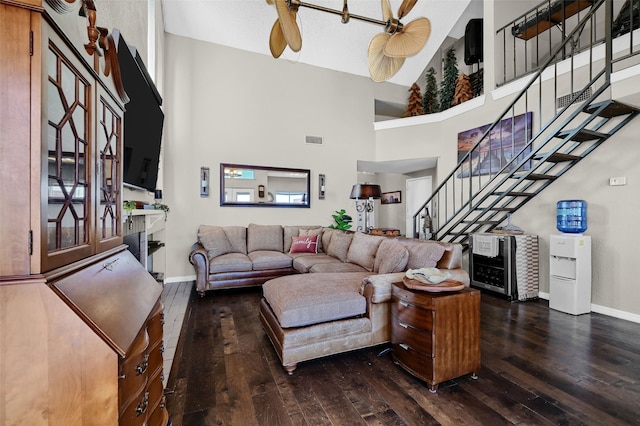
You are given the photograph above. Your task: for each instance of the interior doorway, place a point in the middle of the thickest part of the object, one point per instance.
(417, 192)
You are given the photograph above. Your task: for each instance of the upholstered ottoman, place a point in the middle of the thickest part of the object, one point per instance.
(308, 316)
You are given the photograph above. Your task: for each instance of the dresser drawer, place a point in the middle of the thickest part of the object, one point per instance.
(411, 314)
(155, 324)
(133, 370)
(135, 414)
(415, 338)
(418, 364)
(156, 394)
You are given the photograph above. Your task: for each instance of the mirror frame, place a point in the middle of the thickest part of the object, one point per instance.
(224, 203)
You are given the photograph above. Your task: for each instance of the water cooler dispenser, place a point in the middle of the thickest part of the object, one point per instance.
(570, 273)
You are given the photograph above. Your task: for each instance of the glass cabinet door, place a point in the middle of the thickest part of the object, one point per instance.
(68, 108)
(109, 142)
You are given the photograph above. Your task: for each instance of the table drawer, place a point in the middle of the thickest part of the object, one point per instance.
(413, 315)
(415, 338)
(418, 364)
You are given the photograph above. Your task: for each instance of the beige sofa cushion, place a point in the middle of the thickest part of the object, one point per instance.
(362, 250)
(336, 267)
(265, 237)
(230, 262)
(214, 240)
(391, 257)
(238, 237)
(339, 245)
(303, 262)
(268, 259)
(300, 300)
(422, 254)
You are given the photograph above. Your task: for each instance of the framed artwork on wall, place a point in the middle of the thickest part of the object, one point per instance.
(394, 197)
(506, 142)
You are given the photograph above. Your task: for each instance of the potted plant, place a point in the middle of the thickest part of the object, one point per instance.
(342, 219)
(129, 207)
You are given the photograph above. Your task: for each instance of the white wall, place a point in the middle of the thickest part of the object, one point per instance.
(611, 209)
(224, 105)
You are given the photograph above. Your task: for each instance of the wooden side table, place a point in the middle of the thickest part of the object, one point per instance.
(436, 336)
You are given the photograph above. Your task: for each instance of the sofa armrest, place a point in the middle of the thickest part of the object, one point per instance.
(377, 288)
(199, 258)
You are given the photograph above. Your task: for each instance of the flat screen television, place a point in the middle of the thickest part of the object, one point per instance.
(143, 119)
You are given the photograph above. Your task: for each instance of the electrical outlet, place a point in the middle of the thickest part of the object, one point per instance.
(617, 181)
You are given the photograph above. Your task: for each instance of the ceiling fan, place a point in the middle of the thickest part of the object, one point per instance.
(387, 50)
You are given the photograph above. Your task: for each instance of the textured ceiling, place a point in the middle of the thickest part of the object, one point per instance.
(326, 42)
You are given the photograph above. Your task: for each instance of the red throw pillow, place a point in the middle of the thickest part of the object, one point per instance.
(306, 244)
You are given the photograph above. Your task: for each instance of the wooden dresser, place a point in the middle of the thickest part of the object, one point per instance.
(80, 317)
(436, 336)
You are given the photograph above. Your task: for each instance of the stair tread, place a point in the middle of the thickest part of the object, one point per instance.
(516, 194)
(558, 157)
(583, 135)
(613, 109)
(483, 222)
(497, 209)
(536, 176)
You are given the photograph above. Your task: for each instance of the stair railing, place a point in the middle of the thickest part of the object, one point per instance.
(584, 75)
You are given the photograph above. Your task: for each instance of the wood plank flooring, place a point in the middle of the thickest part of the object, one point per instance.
(539, 367)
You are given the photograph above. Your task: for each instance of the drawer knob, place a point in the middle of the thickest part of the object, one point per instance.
(142, 406)
(404, 346)
(142, 367)
(403, 303)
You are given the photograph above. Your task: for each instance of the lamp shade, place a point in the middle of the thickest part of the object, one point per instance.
(365, 191)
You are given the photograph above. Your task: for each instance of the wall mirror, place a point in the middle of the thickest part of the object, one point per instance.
(261, 186)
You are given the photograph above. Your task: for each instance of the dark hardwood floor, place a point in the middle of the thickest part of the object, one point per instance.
(539, 366)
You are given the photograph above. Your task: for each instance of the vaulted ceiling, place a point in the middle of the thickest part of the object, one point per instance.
(326, 42)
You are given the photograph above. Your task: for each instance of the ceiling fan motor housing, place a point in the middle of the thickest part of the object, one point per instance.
(393, 26)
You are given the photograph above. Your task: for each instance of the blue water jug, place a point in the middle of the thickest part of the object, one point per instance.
(572, 216)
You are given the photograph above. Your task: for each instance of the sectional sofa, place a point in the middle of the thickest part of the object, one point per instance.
(325, 291)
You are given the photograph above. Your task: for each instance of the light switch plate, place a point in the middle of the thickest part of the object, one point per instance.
(617, 181)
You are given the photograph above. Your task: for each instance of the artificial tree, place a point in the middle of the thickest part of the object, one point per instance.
(464, 92)
(448, 84)
(414, 107)
(430, 98)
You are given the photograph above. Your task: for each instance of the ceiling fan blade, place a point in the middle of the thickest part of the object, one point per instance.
(387, 13)
(290, 29)
(270, 1)
(381, 67)
(406, 7)
(410, 41)
(277, 43)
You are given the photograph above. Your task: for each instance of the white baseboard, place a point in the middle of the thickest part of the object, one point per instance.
(180, 279)
(615, 313)
(628, 316)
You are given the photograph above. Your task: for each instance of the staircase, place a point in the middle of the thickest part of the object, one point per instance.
(506, 168)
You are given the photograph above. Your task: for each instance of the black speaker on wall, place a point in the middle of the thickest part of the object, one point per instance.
(473, 42)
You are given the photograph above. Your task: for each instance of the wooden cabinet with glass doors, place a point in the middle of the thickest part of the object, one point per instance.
(76, 308)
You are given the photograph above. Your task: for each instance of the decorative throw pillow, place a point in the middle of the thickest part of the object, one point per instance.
(214, 240)
(362, 250)
(339, 245)
(391, 257)
(265, 237)
(306, 244)
(315, 231)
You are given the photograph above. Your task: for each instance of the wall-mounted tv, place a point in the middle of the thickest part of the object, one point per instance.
(143, 119)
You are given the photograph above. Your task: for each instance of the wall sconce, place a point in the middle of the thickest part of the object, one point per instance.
(321, 180)
(261, 191)
(204, 181)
